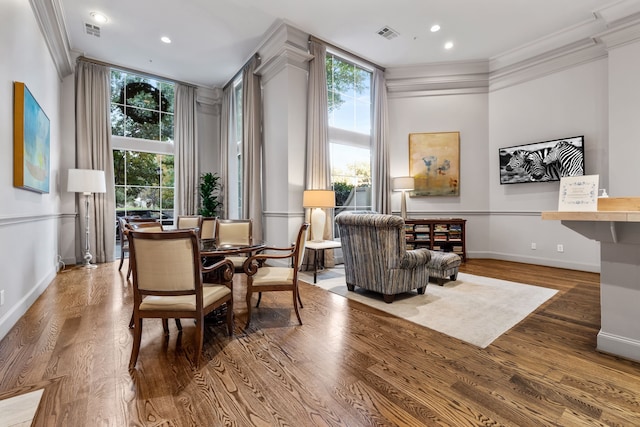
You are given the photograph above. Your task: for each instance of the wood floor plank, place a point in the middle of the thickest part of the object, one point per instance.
(347, 365)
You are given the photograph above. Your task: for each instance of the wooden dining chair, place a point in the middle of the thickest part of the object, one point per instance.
(208, 227)
(168, 283)
(124, 242)
(264, 278)
(235, 232)
(186, 222)
(149, 225)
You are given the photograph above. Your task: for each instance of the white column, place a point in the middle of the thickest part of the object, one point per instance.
(284, 70)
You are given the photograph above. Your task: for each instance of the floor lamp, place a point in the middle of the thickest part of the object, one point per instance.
(318, 200)
(404, 184)
(87, 182)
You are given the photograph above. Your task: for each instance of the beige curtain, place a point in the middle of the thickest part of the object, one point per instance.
(252, 147)
(381, 181)
(317, 162)
(225, 126)
(93, 151)
(318, 156)
(187, 174)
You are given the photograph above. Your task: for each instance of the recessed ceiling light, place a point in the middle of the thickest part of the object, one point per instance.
(98, 17)
(448, 45)
(165, 39)
(435, 28)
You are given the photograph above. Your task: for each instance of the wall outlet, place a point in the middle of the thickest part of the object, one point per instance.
(534, 246)
(560, 248)
(2, 297)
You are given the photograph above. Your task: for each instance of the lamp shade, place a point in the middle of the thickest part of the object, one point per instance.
(403, 183)
(319, 199)
(86, 181)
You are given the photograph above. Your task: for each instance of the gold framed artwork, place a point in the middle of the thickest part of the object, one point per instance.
(434, 163)
(31, 140)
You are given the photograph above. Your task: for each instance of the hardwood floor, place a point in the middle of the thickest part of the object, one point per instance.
(348, 365)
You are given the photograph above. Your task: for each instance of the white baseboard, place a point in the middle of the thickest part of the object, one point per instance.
(619, 346)
(12, 317)
(558, 263)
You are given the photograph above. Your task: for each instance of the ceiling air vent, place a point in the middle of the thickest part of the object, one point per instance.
(92, 30)
(388, 33)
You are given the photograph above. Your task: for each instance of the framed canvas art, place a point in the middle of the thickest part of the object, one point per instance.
(31, 139)
(542, 161)
(434, 163)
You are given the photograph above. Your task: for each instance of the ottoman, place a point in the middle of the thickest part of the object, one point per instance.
(443, 266)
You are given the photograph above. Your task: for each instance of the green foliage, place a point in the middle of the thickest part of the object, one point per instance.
(141, 107)
(342, 190)
(344, 78)
(209, 191)
(149, 178)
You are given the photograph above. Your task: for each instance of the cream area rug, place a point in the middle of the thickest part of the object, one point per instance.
(474, 309)
(18, 411)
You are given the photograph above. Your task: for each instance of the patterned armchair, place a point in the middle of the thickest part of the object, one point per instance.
(376, 258)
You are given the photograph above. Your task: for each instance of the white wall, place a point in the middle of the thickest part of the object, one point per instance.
(566, 103)
(463, 112)
(624, 98)
(503, 220)
(29, 236)
(208, 110)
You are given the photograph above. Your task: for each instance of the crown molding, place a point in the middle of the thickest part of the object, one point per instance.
(284, 45)
(551, 62)
(285, 57)
(613, 25)
(618, 11)
(627, 31)
(545, 46)
(49, 15)
(209, 100)
(210, 96)
(437, 79)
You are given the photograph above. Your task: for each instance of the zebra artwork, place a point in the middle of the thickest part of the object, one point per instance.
(532, 165)
(568, 157)
(542, 161)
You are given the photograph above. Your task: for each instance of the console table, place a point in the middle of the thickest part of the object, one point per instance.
(320, 246)
(618, 232)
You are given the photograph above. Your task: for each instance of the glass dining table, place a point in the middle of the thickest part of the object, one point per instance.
(211, 252)
(210, 249)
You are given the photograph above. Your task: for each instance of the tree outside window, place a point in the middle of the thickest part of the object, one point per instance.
(142, 125)
(349, 108)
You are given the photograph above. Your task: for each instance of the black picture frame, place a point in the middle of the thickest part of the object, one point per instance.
(544, 161)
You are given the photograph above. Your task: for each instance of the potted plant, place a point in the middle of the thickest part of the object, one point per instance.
(209, 191)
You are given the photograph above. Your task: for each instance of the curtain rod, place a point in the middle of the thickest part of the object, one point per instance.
(131, 70)
(345, 52)
(235, 76)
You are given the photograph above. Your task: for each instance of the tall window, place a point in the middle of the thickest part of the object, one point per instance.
(142, 136)
(350, 111)
(234, 203)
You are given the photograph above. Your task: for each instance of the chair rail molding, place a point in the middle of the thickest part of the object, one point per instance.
(6, 221)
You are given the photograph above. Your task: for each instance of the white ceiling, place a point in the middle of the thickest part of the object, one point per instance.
(212, 39)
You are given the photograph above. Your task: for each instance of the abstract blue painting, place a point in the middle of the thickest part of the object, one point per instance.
(31, 139)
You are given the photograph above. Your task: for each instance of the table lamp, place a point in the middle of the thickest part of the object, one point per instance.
(87, 182)
(404, 184)
(318, 200)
